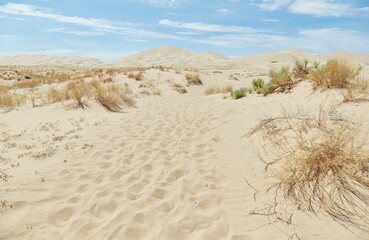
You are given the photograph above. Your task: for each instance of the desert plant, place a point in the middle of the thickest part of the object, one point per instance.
(137, 76)
(357, 90)
(319, 164)
(28, 83)
(215, 90)
(239, 93)
(257, 84)
(9, 99)
(109, 97)
(280, 81)
(54, 95)
(301, 69)
(334, 74)
(78, 92)
(193, 79)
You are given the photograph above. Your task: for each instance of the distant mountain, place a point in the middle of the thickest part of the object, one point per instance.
(172, 56)
(33, 60)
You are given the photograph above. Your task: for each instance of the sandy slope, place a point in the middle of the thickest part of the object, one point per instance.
(174, 167)
(46, 60)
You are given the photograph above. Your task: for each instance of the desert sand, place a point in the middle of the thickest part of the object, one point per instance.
(174, 166)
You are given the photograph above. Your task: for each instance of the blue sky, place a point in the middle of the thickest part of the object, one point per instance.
(110, 29)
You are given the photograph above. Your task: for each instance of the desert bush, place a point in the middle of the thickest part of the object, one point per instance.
(193, 79)
(9, 99)
(301, 69)
(334, 74)
(257, 84)
(239, 93)
(78, 92)
(28, 83)
(112, 96)
(215, 90)
(319, 164)
(137, 76)
(280, 81)
(55, 95)
(357, 90)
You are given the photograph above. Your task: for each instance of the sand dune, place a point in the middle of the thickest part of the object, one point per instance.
(171, 56)
(175, 166)
(46, 60)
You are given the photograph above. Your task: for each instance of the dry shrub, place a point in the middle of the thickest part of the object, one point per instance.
(9, 99)
(193, 79)
(215, 90)
(137, 76)
(28, 83)
(55, 95)
(334, 74)
(357, 90)
(78, 92)
(112, 97)
(319, 163)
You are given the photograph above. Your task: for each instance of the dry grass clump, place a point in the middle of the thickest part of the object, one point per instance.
(79, 92)
(9, 99)
(136, 76)
(28, 83)
(280, 81)
(193, 79)
(55, 95)
(112, 96)
(215, 90)
(334, 74)
(319, 163)
(357, 90)
(301, 69)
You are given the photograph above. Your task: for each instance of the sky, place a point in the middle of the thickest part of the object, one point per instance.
(111, 29)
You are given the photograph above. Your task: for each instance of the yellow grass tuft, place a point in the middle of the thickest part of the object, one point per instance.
(9, 99)
(193, 79)
(215, 90)
(334, 74)
(320, 164)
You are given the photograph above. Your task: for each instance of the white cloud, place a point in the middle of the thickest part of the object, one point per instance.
(225, 11)
(77, 33)
(271, 20)
(272, 5)
(321, 8)
(96, 24)
(318, 8)
(165, 3)
(205, 27)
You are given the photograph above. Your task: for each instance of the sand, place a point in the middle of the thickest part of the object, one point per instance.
(173, 167)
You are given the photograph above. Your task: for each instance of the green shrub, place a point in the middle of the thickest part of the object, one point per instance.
(257, 84)
(239, 93)
(301, 69)
(280, 81)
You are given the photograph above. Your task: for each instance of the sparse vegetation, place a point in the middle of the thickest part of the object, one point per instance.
(136, 76)
(257, 84)
(9, 99)
(78, 92)
(280, 81)
(239, 93)
(301, 69)
(320, 164)
(193, 79)
(215, 90)
(357, 90)
(334, 74)
(55, 95)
